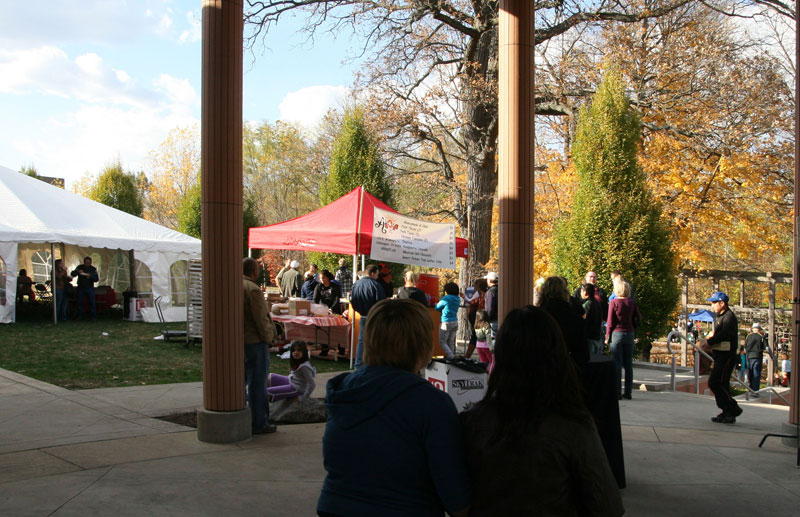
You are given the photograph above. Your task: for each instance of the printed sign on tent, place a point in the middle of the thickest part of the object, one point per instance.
(396, 238)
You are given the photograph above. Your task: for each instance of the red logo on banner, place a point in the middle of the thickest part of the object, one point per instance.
(437, 383)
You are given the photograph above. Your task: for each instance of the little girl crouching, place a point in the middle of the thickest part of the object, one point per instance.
(300, 382)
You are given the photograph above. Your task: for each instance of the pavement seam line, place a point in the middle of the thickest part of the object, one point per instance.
(61, 459)
(84, 489)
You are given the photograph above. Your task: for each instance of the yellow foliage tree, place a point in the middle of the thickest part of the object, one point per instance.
(173, 168)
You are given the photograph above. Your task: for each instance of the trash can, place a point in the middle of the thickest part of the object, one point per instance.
(126, 303)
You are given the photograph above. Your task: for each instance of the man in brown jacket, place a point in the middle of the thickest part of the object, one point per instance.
(259, 332)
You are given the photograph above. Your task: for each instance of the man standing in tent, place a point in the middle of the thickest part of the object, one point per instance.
(366, 293)
(345, 277)
(292, 281)
(87, 276)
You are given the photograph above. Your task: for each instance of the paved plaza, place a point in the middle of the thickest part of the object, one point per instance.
(101, 452)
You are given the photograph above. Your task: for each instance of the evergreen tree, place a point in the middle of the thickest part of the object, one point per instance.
(616, 223)
(355, 161)
(117, 189)
(190, 215)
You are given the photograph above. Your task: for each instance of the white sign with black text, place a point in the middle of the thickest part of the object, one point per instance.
(397, 238)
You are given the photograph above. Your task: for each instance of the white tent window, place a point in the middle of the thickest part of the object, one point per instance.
(144, 279)
(119, 272)
(3, 278)
(40, 261)
(177, 282)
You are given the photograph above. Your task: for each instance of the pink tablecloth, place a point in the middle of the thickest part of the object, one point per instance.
(331, 330)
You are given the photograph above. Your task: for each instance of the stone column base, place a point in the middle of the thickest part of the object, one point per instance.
(223, 426)
(789, 428)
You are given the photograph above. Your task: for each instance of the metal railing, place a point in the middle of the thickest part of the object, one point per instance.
(697, 351)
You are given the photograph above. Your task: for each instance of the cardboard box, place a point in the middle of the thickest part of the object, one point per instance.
(464, 387)
(299, 307)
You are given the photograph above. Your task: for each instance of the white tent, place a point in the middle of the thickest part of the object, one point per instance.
(35, 215)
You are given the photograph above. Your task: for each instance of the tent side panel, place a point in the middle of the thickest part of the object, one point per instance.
(8, 253)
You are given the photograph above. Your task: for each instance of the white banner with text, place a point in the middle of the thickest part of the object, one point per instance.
(397, 238)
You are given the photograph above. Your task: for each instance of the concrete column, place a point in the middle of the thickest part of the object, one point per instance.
(794, 411)
(224, 419)
(516, 154)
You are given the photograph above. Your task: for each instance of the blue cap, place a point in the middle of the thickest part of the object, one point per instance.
(718, 296)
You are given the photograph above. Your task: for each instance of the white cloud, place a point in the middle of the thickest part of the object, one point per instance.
(99, 21)
(195, 30)
(308, 105)
(179, 92)
(87, 139)
(86, 78)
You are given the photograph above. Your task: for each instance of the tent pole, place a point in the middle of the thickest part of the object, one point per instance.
(355, 259)
(53, 281)
(352, 313)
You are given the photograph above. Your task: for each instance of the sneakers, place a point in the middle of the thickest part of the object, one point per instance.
(627, 396)
(724, 419)
(267, 429)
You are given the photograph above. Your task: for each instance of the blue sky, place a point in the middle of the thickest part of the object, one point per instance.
(83, 82)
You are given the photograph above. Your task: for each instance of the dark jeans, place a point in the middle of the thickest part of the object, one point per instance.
(256, 362)
(622, 351)
(61, 304)
(86, 292)
(754, 370)
(719, 381)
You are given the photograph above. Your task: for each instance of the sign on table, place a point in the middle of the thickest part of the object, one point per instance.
(397, 238)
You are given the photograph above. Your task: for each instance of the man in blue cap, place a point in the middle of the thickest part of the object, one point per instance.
(723, 341)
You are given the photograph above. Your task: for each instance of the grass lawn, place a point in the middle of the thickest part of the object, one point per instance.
(78, 355)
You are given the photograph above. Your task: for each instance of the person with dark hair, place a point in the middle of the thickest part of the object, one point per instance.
(448, 329)
(554, 298)
(367, 291)
(62, 279)
(594, 319)
(299, 384)
(24, 287)
(532, 446)
(476, 303)
(87, 276)
(405, 431)
(259, 332)
(327, 292)
(385, 279)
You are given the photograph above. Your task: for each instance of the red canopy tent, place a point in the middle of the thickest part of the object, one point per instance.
(343, 226)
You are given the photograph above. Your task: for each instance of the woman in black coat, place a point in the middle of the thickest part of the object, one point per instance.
(555, 300)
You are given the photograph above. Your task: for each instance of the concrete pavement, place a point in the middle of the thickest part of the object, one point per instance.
(100, 452)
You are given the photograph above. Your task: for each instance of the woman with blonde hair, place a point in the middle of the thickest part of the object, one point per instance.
(620, 327)
(404, 431)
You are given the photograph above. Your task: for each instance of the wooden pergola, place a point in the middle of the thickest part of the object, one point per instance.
(742, 277)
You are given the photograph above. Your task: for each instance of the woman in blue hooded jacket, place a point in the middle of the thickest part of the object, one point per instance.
(392, 444)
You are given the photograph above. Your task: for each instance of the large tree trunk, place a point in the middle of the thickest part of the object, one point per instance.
(480, 135)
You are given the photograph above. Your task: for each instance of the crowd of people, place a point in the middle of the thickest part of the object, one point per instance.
(529, 447)
(87, 276)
